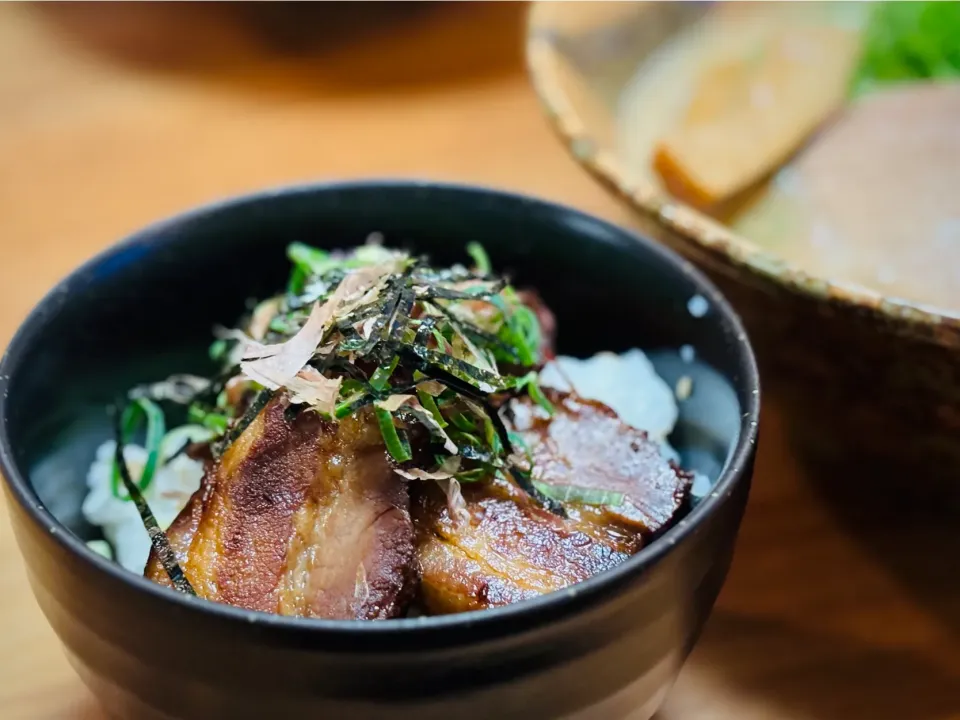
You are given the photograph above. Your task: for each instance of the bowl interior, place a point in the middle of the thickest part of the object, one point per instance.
(145, 309)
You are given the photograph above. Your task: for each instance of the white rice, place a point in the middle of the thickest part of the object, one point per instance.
(626, 383)
(167, 494)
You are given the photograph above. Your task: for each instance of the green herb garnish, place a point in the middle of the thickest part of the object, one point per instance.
(439, 349)
(905, 41)
(217, 422)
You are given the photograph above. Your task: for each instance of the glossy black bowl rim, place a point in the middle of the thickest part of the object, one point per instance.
(494, 621)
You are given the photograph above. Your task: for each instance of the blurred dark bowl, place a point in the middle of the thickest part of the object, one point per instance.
(609, 647)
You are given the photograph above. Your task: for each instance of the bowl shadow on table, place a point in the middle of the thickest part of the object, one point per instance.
(906, 522)
(777, 669)
(302, 49)
(791, 656)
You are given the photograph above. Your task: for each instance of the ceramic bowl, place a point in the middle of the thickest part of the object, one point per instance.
(609, 647)
(868, 384)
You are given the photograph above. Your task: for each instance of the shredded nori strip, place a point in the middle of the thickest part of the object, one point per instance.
(475, 333)
(399, 321)
(483, 381)
(158, 538)
(183, 448)
(385, 314)
(357, 316)
(441, 293)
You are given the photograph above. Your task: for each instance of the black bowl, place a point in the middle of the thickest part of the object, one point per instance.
(606, 648)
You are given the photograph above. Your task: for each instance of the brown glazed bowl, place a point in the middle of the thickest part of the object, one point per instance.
(869, 385)
(606, 648)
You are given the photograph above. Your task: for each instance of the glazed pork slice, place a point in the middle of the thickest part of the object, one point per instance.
(507, 548)
(300, 517)
(586, 445)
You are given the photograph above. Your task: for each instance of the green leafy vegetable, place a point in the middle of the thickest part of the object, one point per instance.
(218, 350)
(906, 41)
(218, 422)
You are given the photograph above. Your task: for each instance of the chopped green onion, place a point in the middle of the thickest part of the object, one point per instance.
(480, 258)
(298, 279)
(133, 416)
(577, 493)
(462, 422)
(309, 260)
(397, 446)
(352, 403)
(533, 388)
(469, 476)
(217, 422)
(381, 376)
(350, 386)
(490, 434)
(521, 328)
(442, 343)
(180, 438)
(283, 324)
(531, 383)
(430, 405)
(218, 350)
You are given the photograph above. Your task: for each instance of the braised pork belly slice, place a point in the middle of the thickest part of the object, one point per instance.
(300, 517)
(505, 549)
(586, 445)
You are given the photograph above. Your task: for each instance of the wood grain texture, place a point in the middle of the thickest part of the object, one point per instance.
(838, 607)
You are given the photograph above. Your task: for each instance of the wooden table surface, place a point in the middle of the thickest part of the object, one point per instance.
(837, 608)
